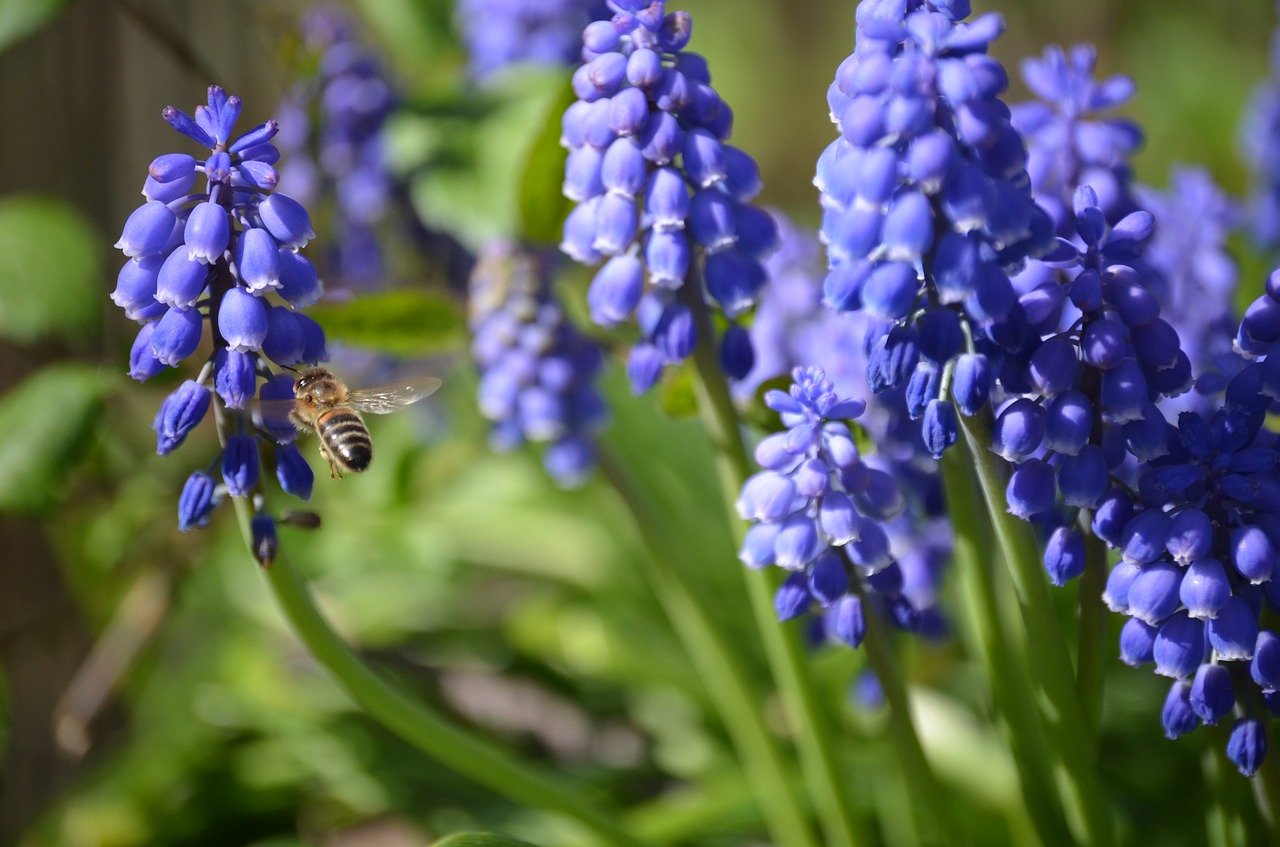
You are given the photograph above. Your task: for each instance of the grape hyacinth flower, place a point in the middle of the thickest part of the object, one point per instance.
(226, 255)
(818, 511)
(927, 205)
(1198, 561)
(1070, 142)
(333, 135)
(537, 371)
(1195, 278)
(660, 193)
(502, 33)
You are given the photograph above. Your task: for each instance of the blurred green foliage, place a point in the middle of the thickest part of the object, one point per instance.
(517, 608)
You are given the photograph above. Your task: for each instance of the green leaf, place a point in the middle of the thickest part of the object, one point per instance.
(46, 420)
(403, 322)
(481, 839)
(20, 18)
(677, 398)
(543, 206)
(49, 274)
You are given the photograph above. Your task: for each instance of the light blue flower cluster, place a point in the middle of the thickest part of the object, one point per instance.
(333, 124)
(228, 255)
(537, 371)
(660, 193)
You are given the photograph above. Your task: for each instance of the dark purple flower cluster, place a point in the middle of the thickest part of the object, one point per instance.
(927, 205)
(537, 371)
(1091, 388)
(502, 33)
(1198, 548)
(818, 511)
(333, 136)
(227, 254)
(660, 191)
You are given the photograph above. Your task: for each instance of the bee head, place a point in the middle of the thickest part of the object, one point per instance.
(310, 378)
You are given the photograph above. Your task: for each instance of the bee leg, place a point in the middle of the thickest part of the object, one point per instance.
(334, 472)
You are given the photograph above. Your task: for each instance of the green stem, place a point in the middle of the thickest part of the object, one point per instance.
(1091, 653)
(740, 706)
(1001, 649)
(1223, 826)
(1062, 712)
(934, 827)
(416, 723)
(815, 741)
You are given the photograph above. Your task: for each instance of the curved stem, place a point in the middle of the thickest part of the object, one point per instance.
(416, 723)
(1063, 715)
(1001, 650)
(810, 720)
(740, 706)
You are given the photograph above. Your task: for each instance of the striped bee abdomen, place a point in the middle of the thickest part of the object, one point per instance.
(347, 438)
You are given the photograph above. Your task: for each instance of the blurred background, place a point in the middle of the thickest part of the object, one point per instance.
(150, 692)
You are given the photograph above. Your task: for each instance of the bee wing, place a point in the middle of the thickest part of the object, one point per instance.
(382, 399)
(271, 411)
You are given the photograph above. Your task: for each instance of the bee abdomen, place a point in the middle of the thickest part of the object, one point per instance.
(347, 438)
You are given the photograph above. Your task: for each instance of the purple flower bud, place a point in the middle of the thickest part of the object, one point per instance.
(234, 377)
(644, 68)
(1252, 554)
(142, 362)
(258, 260)
(208, 232)
(737, 354)
(940, 429)
(147, 230)
(1124, 391)
(179, 414)
(828, 579)
(758, 234)
(1083, 478)
(924, 385)
(742, 174)
(313, 347)
(622, 169)
(971, 383)
(1144, 536)
(285, 341)
(242, 320)
(181, 280)
(908, 227)
(1233, 632)
(582, 174)
(1212, 696)
(1064, 556)
(792, 598)
(1137, 642)
(758, 545)
(880, 498)
(196, 502)
(176, 336)
(628, 112)
(1180, 646)
(136, 285)
(1247, 746)
(1019, 430)
(1119, 581)
(285, 219)
(1103, 344)
(644, 366)
(667, 255)
(798, 542)
(293, 472)
(1177, 716)
(891, 290)
(240, 465)
(767, 496)
(263, 530)
(1053, 367)
(1112, 516)
(703, 158)
(666, 199)
(732, 280)
(838, 518)
(299, 285)
(848, 622)
(711, 220)
(661, 139)
(1265, 667)
(1153, 594)
(615, 291)
(870, 550)
(1205, 589)
(616, 222)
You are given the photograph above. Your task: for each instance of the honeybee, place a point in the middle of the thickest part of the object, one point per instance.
(322, 403)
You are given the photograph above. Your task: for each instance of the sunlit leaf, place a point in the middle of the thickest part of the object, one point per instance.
(481, 839)
(404, 322)
(49, 278)
(543, 206)
(46, 420)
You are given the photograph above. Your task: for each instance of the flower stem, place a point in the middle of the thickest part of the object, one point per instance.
(1063, 715)
(812, 724)
(1001, 649)
(739, 705)
(1091, 653)
(419, 725)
